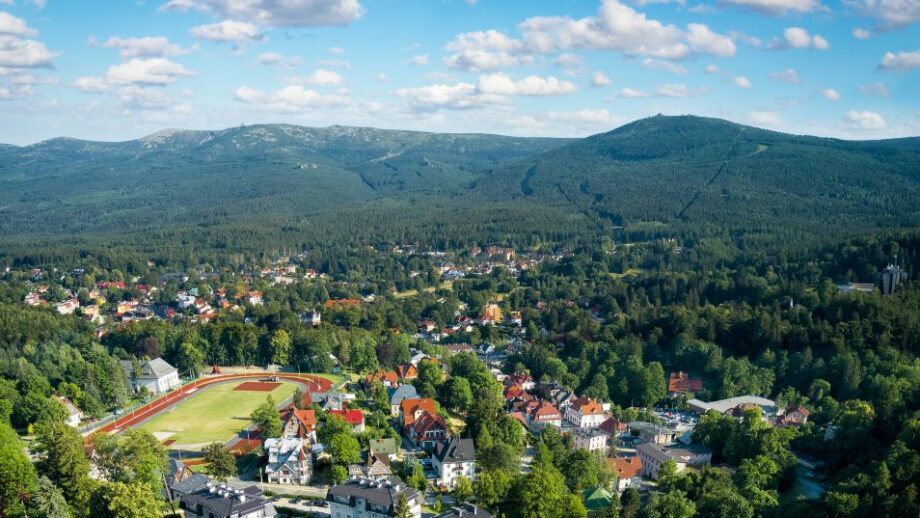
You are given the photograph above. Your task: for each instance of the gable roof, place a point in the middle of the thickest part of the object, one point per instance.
(306, 420)
(680, 382)
(626, 467)
(409, 407)
(352, 416)
(407, 370)
(383, 493)
(465, 511)
(588, 406)
(597, 498)
(455, 450)
(402, 392)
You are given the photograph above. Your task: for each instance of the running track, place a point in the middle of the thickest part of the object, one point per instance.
(314, 384)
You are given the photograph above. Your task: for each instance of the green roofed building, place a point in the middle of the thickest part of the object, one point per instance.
(597, 500)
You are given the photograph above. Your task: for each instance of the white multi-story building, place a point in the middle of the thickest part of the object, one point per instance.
(590, 439)
(156, 375)
(364, 498)
(454, 459)
(585, 413)
(654, 455)
(290, 461)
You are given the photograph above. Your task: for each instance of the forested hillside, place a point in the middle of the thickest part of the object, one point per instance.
(707, 182)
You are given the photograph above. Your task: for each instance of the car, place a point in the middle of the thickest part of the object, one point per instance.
(119, 411)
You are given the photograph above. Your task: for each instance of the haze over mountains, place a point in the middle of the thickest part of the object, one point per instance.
(655, 177)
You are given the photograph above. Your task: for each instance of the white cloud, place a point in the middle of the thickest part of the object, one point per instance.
(439, 76)
(418, 60)
(830, 94)
(336, 51)
(678, 90)
(861, 34)
(502, 84)
(701, 39)
(278, 13)
(741, 82)
(891, 14)
(227, 30)
(91, 84)
(382, 78)
(276, 59)
(569, 60)
(590, 117)
(290, 99)
(799, 38)
(600, 79)
(629, 93)
(786, 76)
(745, 38)
(146, 47)
(660, 64)
(14, 26)
(615, 27)
(461, 96)
(319, 77)
(763, 118)
(864, 121)
(776, 7)
(712, 69)
(153, 71)
(877, 89)
(901, 60)
(22, 53)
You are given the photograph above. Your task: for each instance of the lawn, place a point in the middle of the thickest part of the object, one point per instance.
(215, 413)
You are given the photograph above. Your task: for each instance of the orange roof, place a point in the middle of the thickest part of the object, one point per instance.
(407, 371)
(410, 407)
(682, 382)
(626, 467)
(305, 418)
(351, 416)
(383, 377)
(588, 406)
(342, 302)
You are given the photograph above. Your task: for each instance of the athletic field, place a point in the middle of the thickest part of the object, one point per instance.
(213, 413)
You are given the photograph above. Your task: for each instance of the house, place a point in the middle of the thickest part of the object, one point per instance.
(683, 383)
(289, 461)
(398, 395)
(459, 348)
(491, 314)
(590, 439)
(453, 459)
(795, 415)
(465, 511)
(73, 413)
(254, 298)
(389, 379)
(628, 471)
(333, 400)
(597, 500)
(67, 307)
(298, 424)
(352, 416)
(585, 413)
(156, 375)
(612, 426)
(546, 414)
(374, 468)
(361, 497)
(523, 380)
(412, 408)
(407, 372)
(427, 431)
(384, 448)
(222, 501)
(653, 456)
(181, 481)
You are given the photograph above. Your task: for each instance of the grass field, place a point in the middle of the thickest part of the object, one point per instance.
(216, 413)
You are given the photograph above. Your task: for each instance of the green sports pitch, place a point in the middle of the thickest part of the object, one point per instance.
(215, 413)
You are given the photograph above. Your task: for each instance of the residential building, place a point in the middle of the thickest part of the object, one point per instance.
(374, 468)
(407, 372)
(389, 379)
(585, 413)
(628, 471)
(590, 439)
(795, 415)
(298, 424)
(654, 455)
(289, 461)
(683, 383)
(384, 448)
(453, 459)
(365, 498)
(546, 414)
(352, 416)
(465, 511)
(399, 394)
(411, 409)
(613, 426)
(156, 375)
(222, 501)
(427, 431)
(653, 433)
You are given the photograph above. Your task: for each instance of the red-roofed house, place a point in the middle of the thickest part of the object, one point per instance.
(628, 471)
(389, 378)
(546, 413)
(428, 430)
(795, 415)
(352, 416)
(300, 424)
(682, 383)
(613, 426)
(407, 371)
(585, 413)
(412, 408)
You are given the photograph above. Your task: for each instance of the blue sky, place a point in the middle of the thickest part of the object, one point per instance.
(108, 70)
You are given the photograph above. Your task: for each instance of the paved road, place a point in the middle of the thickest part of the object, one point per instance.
(287, 502)
(285, 489)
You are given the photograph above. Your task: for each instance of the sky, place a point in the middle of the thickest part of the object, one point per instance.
(119, 70)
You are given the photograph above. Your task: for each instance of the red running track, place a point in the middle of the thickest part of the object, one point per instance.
(314, 384)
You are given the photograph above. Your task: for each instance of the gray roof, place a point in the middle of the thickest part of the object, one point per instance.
(152, 369)
(190, 485)
(224, 502)
(455, 450)
(400, 393)
(724, 405)
(680, 454)
(466, 511)
(383, 493)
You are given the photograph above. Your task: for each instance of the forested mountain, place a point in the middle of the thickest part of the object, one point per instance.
(250, 188)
